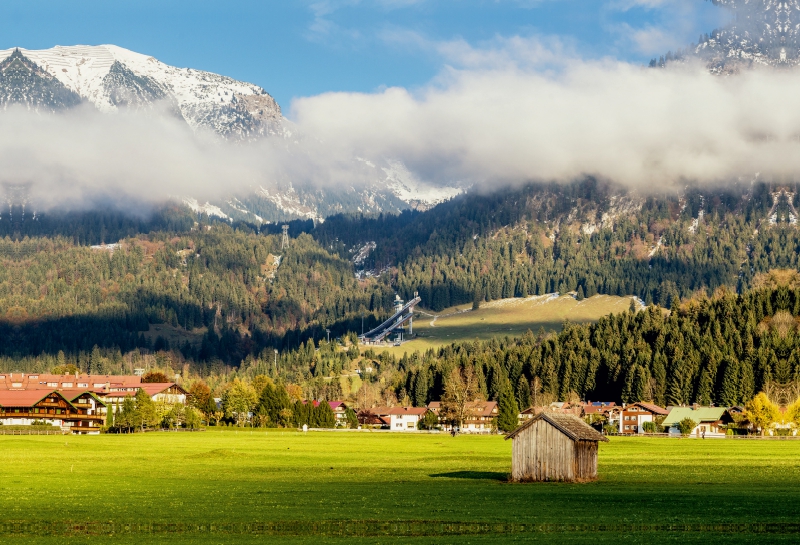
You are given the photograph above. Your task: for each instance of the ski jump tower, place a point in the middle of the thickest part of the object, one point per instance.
(403, 314)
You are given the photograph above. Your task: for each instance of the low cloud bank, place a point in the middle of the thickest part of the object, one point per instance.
(645, 128)
(641, 127)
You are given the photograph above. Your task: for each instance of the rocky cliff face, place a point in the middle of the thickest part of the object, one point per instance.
(23, 82)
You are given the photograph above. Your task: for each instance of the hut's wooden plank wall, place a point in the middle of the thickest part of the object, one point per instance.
(543, 453)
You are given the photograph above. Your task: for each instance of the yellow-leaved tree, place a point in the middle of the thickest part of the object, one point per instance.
(792, 415)
(762, 412)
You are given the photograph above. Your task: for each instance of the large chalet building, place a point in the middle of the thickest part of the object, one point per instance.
(75, 403)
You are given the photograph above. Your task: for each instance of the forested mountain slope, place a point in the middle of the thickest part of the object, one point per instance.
(225, 292)
(587, 237)
(238, 287)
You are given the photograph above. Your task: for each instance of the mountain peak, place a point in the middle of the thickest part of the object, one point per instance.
(23, 82)
(111, 78)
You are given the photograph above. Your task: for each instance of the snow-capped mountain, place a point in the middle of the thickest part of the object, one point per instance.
(761, 33)
(112, 79)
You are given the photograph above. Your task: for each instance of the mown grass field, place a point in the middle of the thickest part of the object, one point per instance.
(511, 317)
(286, 487)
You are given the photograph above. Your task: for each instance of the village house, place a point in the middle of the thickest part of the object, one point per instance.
(72, 411)
(338, 407)
(481, 416)
(633, 415)
(399, 418)
(597, 408)
(166, 392)
(554, 447)
(708, 420)
(564, 407)
(340, 410)
(527, 414)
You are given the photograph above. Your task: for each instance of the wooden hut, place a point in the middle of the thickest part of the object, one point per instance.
(554, 447)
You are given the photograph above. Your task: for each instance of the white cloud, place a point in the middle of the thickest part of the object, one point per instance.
(637, 126)
(510, 112)
(532, 52)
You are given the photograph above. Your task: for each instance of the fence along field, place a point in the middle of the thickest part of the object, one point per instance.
(285, 486)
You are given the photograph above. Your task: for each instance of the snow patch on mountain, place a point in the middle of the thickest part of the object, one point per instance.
(207, 208)
(289, 201)
(409, 188)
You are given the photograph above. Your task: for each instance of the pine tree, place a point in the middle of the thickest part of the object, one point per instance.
(729, 396)
(747, 382)
(324, 417)
(508, 411)
(523, 392)
(110, 417)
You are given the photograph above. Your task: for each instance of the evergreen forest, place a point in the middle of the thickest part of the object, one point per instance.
(103, 291)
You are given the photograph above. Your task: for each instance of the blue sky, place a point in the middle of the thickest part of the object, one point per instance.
(303, 48)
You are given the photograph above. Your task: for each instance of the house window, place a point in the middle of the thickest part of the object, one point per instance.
(83, 385)
(627, 427)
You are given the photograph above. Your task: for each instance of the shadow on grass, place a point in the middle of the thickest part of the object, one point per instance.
(479, 475)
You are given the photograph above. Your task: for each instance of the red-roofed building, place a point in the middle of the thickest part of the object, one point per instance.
(109, 390)
(73, 411)
(167, 392)
(400, 418)
(633, 415)
(339, 409)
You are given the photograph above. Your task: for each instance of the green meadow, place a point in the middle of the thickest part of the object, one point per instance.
(228, 486)
(504, 317)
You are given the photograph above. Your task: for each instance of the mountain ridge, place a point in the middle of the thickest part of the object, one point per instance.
(112, 79)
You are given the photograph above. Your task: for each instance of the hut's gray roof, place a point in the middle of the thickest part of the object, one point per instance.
(568, 424)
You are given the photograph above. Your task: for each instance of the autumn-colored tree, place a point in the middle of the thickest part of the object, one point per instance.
(762, 412)
(686, 426)
(152, 377)
(460, 390)
(239, 400)
(295, 392)
(260, 382)
(146, 415)
(199, 394)
(792, 414)
(67, 369)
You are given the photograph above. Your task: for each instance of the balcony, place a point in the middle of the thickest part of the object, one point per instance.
(50, 416)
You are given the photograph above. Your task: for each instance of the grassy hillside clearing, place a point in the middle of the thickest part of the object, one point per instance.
(505, 317)
(284, 486)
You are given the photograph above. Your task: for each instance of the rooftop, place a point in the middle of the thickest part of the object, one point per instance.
(568, 424)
